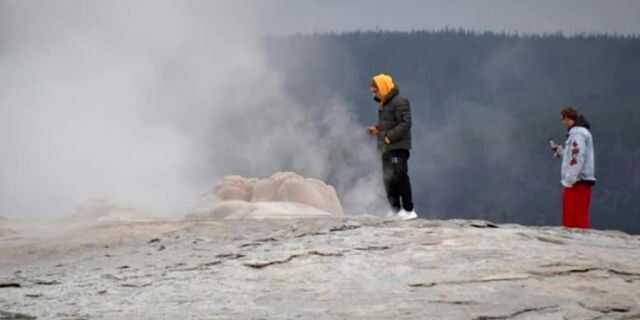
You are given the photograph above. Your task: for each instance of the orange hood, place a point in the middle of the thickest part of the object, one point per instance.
(385, 84)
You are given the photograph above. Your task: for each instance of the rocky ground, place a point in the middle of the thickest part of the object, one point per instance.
(327, 268)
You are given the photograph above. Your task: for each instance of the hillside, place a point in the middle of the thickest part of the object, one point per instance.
(484, 105)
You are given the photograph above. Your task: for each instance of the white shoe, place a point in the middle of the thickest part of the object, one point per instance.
(404, 215)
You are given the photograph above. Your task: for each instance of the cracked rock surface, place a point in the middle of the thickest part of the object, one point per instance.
(339, 268)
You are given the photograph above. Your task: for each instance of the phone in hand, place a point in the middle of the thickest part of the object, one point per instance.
(555, 148)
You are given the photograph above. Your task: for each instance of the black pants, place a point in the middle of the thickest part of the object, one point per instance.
(395, 173)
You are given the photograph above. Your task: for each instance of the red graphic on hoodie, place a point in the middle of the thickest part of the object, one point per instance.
(574, 153)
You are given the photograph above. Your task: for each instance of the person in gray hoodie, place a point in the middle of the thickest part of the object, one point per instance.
(577, 169)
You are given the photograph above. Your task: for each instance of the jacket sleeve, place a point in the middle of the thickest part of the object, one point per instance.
(403, 114)
(577, 158)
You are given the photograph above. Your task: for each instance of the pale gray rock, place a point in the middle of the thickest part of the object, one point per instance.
(236, 209)
(6, 228)
(105, 211)
(325, 268)
(14, 316)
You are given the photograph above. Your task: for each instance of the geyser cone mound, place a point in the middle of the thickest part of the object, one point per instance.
(283, 195)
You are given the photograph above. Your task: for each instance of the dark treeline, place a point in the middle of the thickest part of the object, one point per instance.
(484, 106)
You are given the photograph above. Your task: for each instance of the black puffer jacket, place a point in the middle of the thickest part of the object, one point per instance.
(394, 122)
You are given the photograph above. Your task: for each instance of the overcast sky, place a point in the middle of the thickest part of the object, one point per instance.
(524, 16)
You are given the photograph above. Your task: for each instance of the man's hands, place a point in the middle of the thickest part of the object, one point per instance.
(374, 131)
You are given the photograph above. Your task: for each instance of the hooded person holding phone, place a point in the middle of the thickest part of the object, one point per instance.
(393, 132)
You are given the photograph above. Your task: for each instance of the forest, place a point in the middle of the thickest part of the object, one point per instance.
(484, 106)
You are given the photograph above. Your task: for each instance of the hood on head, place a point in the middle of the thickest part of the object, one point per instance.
(582, 122)
(385, 85)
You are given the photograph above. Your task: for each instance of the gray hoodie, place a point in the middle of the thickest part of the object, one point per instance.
(578, 160)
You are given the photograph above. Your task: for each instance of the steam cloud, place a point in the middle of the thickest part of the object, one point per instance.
(151, 102)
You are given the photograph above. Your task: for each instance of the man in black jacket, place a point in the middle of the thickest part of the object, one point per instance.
(394, 142)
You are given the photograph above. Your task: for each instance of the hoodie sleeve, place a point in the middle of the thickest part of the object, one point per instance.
(576, 161)
(403, 114)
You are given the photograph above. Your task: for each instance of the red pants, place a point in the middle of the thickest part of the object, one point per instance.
(575, 206)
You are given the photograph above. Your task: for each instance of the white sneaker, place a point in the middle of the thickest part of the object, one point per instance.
(404, 215)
